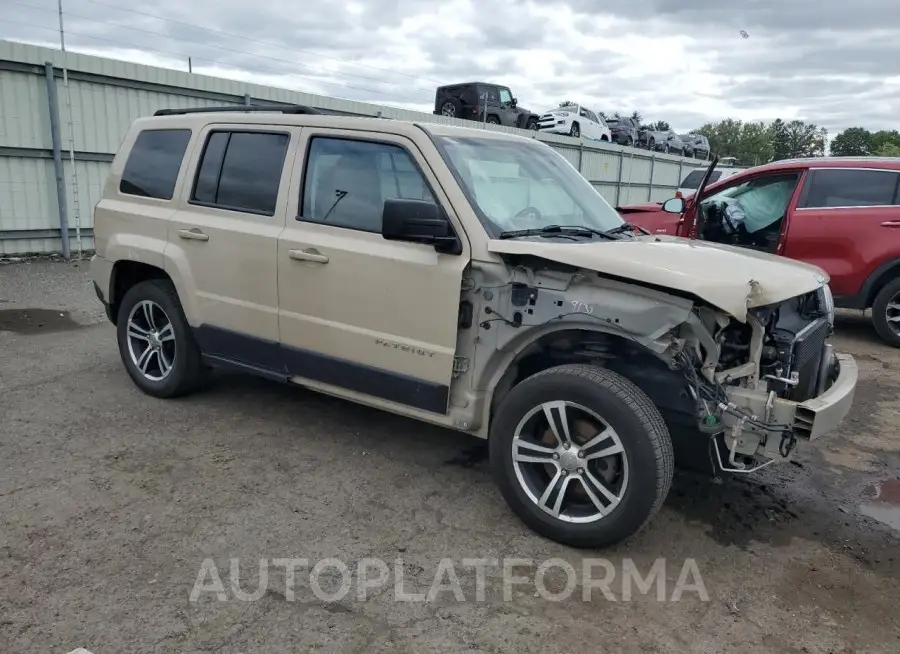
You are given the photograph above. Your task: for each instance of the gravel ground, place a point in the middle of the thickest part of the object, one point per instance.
(111, 501)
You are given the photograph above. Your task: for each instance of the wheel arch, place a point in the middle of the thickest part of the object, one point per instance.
(876, 280)
(126, 273)
(542, 351)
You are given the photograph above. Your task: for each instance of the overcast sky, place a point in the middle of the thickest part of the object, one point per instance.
(832, 62)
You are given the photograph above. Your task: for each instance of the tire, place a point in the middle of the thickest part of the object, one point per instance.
(186, 371)
(493, 120)
(651, 144)
(666, 148)
(575, 131)
(604, 138)
(532, 124)
(451, 109)
(888, 296)
(645, 458)
(629, 141)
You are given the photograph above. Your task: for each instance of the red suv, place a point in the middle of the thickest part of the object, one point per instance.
(839, 213)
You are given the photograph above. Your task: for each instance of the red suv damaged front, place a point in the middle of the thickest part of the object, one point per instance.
(841, 214)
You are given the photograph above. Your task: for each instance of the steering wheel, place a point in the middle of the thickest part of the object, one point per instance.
(724, 215)
(531, 213)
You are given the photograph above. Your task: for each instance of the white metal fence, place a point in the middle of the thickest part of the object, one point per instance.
(38, 185)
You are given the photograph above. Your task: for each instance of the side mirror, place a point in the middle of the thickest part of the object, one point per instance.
(513, 102)
(419, 221)
(673, 205)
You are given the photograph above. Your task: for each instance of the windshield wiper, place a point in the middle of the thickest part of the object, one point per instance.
(624, 227)
(565, 230)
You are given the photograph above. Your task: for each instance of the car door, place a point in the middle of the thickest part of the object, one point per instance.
(847, 222)
(588, 127)
(357, 312)
(509, 114)
(746, 184)
(223, 238)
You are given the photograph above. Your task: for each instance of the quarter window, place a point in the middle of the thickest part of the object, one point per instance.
(346, 182)
(241, 171)
(851, 188)
(151, 170)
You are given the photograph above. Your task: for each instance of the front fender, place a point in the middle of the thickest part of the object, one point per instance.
(512, 319)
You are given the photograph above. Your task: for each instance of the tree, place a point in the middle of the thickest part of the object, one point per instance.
(884, 137)
(658, 126)
(636, 115)
(750, 143)
(889, 150)
(780, 144)
(805, 139)
(852, 142)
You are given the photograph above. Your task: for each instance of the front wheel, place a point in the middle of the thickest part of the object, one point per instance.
(886, 313)
(575, 131)
(629, 141)
(581, 455)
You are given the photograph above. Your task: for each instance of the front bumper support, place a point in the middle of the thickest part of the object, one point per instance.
(805, 420)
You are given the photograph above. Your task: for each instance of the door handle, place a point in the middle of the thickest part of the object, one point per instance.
(193, 234)
(891, 223)
(310, 254)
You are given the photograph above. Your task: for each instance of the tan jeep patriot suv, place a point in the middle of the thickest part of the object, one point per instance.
(467, 278)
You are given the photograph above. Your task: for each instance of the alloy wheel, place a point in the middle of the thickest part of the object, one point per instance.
(570, 462)
(151, 340)
(892, 313)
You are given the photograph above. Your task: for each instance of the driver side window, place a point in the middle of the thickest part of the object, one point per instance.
(505, 96)
(750, 213)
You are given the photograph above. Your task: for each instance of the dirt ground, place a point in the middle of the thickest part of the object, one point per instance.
(111, 501)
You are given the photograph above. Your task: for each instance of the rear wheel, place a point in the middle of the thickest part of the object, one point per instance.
(155, 341)
(581, 455)
(886, 313)
(493, 120)
(651, 144)
(629, 141)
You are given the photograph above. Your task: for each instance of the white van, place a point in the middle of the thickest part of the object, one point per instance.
(690, 183)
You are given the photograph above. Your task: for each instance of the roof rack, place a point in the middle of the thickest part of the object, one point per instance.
(277, 108)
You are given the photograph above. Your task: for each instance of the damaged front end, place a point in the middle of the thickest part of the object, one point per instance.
(761, 385)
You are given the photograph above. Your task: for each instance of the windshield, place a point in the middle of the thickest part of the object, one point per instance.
(569, 109)
(523, 185)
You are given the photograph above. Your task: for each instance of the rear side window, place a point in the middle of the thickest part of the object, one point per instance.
(153, 163)
(241, 171)
(851, 188)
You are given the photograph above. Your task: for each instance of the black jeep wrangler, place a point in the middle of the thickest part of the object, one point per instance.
(483, 102)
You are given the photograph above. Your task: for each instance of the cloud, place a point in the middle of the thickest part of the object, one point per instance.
(831, 62)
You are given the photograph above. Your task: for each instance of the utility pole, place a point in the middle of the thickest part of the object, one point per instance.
(76, 208)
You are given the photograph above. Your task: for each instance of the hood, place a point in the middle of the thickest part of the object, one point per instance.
(730, 278)
(640, 208)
